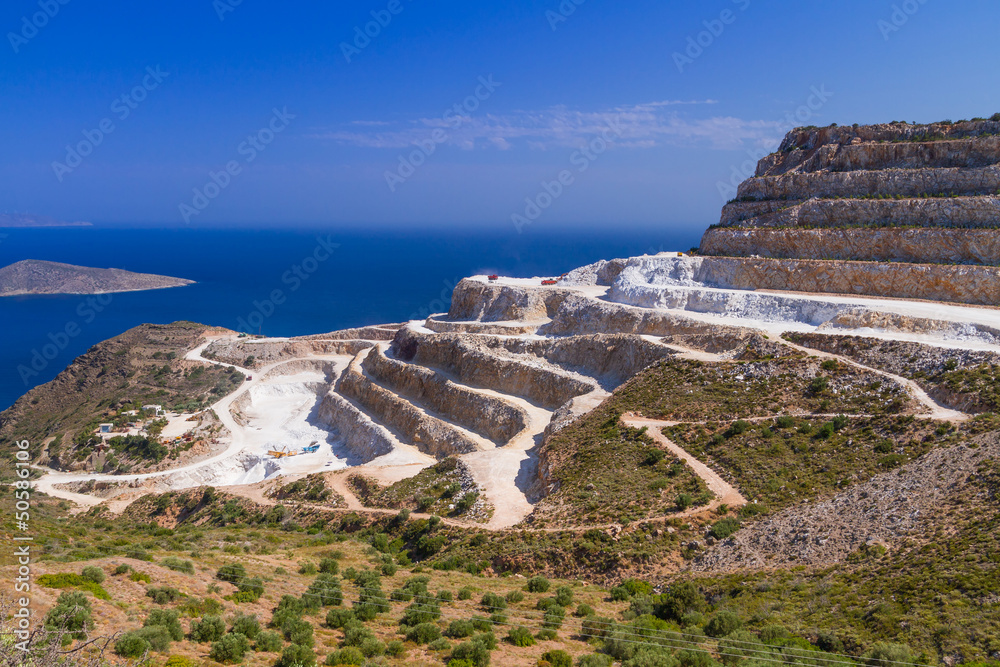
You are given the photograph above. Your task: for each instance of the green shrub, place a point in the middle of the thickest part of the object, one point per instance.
(178, 565)
(722, 624)
(355, 634)
(546, 634)
(208, 629)
(125, 569)
(338, 618)
(234, 573)
(71, 580)
(72, 614)
(246, 625)
(558, 658)
(423, 633)
(140, 577)
(268, 642)
(439, 644)
(445, 596)
(230, 648)
(492, 602)
(882, 653)
(93, 574)
(520, 637)
(725, 527)
(421, 612)
(346, 656)
(167, 619)
(178, 661)
(595, 660)
(132, 645)
(324, 591)
(465, 593)
(395, 649)
(773, 634)
(460, 629)
(474, 653)
(329, 566)
(163, 594)
(654, 456)
(584, 610)
(564, 596)
(307, 567)
(553, 618)
(538, 584)
(372, 647)
(296, 656)
(514, 597)
(298, 632)
(738, 646)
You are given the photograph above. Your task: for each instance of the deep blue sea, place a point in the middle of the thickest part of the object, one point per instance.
(370, 278)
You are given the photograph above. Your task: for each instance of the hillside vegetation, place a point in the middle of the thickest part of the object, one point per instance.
(144, 365)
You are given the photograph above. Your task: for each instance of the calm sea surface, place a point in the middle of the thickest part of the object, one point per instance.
(369, 278)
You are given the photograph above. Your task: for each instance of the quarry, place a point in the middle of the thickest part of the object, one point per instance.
(884, 233)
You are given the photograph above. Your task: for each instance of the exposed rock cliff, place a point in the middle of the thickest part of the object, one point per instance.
(428, 433)
(495, 419)
(860, 183)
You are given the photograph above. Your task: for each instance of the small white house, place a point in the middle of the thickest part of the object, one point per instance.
(105, 428)
(158, 409)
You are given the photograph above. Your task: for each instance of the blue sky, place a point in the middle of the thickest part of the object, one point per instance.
(272, 81)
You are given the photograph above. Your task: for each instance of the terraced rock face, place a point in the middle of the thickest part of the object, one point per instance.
(909, 193)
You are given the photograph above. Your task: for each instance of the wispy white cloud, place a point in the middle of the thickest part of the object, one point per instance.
(645, 125)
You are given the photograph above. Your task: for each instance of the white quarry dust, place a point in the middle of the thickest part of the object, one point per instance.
(277, 411)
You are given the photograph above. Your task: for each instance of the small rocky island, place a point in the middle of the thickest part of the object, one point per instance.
(32, 277)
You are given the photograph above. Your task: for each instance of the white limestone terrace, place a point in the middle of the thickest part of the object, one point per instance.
(676, 282)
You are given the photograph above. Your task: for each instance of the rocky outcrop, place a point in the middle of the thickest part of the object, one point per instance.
(384, 332)
(897, 192)
(362, 436)
(836, 156)
(652, 282)
(248, 353)
(429, 434)
(443, 325)
(933, 246)
(475, 299)
(956, 212)
(489, 416)
(888, 183)
(484, 362)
